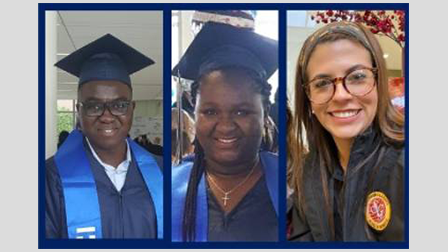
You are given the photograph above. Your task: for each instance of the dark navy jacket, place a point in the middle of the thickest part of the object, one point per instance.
(373, 166)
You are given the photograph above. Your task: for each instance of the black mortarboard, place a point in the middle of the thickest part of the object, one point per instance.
(219, 45)
(106, 58)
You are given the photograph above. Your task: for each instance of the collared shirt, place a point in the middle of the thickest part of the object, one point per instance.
(116, 175)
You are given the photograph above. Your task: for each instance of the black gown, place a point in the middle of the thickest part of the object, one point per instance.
(374, 165)
(239, 224)
(126, 214)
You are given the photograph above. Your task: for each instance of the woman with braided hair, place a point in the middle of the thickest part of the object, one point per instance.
(229, 191)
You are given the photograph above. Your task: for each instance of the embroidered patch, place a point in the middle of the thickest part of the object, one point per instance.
(378, 211)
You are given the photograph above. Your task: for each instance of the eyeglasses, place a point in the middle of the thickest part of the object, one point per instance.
(95, 109)
(358, 82)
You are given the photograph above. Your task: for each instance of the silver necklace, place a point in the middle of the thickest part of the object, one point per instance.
(226, 194)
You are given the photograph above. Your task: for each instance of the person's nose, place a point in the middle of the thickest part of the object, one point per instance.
(225, 123)
(107, 116)
(340, 93)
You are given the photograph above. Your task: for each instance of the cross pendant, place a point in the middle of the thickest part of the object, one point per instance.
(225, 198)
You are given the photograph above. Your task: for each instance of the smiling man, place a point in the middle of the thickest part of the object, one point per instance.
(100, 184)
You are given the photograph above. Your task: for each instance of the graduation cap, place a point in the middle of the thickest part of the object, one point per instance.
(237, 18)
(106, 58)
(218, 46)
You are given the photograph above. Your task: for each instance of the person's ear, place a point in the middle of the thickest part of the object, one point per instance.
(131, 108)
(78, 117)
(267, 110)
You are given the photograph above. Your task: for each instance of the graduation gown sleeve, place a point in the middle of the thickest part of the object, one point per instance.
(55, 220)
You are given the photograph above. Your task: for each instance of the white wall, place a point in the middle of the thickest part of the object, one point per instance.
(51, 84)
(148, 119)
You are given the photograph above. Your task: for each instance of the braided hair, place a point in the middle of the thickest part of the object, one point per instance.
(260, 86)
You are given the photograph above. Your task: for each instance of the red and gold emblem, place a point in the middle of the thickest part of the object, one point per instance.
(378, 210)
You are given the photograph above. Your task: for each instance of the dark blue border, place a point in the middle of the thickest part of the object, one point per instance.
(406, 66)
(167, 125)
(167, 8)
(282, 78)
(41, 126)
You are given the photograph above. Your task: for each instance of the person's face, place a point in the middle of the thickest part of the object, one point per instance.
(107, 131)
(229, 120)
(345, 116)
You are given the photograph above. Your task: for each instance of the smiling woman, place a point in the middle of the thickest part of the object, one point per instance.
(342, 110)
(345, 141)
(229, 190)
(229, 118)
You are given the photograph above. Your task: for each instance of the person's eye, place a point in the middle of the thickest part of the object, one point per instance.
(209, 112)
(321, 83)
(242, 112)
(94, 106)
(119, 105)
(357, 76)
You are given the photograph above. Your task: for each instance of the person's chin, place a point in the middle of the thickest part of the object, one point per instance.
(345, 133)
(109, 143)
(227, 158)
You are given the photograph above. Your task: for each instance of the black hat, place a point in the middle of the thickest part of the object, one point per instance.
(106, 58)
(219, 45)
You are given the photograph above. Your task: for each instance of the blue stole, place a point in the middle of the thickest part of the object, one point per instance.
(81, 198)
(180, 178)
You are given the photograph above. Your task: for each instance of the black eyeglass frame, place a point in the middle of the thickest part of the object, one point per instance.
(105, 105)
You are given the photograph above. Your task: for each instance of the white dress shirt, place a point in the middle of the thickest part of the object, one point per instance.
(116, 175)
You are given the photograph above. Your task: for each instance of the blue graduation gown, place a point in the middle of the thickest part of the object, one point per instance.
(206, 215)
(129, 213)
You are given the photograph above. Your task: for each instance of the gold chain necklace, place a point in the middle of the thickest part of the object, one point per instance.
(226, 194)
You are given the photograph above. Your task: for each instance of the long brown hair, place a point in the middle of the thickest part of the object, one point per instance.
(304, 130)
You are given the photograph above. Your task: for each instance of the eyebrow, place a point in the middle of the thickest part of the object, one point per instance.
(356, 67)
(94, 99)
(241, 104)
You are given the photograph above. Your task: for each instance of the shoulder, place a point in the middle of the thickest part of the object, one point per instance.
(270, 165)
(50, 164)
(399, 166)
(269, 158)
(136, 149)
(181, 172)
(159, 161)
(51, 171)
(401, 157)
(395, 157)
(53, 184)
(179, 181)
(270, 155)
